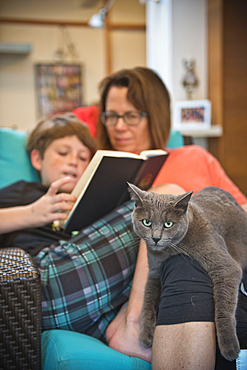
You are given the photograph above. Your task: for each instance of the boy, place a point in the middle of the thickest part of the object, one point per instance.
(87, 278)
(60, 149)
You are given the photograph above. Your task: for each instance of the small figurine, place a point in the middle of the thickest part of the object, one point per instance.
(190, 80)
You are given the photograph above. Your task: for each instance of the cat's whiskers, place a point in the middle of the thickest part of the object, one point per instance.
(178, 248)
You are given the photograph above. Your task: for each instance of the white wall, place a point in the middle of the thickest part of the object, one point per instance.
(190, 41)
(177, 30)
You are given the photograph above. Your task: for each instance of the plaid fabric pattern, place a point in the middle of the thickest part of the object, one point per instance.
(86, 280)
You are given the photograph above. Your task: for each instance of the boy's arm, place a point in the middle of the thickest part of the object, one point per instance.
(39, 213)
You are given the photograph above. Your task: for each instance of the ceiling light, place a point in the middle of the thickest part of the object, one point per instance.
(97, 20)
(143, 2)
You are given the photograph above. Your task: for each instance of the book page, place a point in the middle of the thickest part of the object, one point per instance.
(152, 153)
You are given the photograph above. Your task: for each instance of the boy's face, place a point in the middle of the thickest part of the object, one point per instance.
(63, 157)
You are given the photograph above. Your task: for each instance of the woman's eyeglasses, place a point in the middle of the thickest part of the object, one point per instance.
(109, 119)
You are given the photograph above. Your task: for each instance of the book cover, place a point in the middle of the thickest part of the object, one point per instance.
(103, 185)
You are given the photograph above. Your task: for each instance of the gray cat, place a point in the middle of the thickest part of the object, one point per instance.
(211, 228)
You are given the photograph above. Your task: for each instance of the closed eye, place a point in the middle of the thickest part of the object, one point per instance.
(62, 153)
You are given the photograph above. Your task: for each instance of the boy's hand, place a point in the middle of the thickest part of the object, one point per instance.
(45, 210)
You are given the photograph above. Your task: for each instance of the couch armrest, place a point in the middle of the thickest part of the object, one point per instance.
(20, 311)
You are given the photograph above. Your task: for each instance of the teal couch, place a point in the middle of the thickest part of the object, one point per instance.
(63, 349)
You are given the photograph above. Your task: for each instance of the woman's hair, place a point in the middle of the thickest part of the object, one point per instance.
(148, 93)
(58, 127)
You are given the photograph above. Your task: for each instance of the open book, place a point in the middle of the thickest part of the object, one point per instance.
(103, 185)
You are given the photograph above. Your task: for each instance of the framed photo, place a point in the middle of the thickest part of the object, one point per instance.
(192, 115)
(58, 87)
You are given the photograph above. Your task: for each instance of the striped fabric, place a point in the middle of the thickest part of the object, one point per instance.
(86, 280)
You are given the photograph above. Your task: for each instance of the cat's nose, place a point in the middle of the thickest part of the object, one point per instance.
(156, 240)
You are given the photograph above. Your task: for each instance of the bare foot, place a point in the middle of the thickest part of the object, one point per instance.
(123, 336)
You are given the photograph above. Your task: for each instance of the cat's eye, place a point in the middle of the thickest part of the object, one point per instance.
(168, 224)
(147, 223)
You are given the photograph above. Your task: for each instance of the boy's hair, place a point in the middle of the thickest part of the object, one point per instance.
(148, 93)
(58, 127)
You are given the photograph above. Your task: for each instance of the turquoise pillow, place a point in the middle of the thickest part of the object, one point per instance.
(15, 163)
(63, 349)
(175, 140)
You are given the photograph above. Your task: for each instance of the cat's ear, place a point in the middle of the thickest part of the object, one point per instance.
(183, 202)
(136, 194)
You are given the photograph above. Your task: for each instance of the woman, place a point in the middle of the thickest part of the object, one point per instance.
(135, 116)
(142, 92)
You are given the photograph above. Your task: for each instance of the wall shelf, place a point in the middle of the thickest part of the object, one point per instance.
(9, 48)
(213, 131)
(200, 137)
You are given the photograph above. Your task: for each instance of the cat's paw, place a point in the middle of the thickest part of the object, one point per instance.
(227, 337)
(230, 348)
(146, 335)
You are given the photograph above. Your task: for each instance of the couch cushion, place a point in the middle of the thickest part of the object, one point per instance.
(15, 163)
(63, 349)
(175, 140)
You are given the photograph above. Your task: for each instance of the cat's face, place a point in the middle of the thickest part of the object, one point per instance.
(160, 219)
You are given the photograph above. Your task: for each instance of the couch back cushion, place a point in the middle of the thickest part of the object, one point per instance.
(15, 163)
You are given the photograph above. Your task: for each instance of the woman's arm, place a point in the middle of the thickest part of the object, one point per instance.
(244, 206)
(39, 213)
(123, 333)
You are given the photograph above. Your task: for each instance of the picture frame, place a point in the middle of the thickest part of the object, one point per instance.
(58, 87)
(192, 115)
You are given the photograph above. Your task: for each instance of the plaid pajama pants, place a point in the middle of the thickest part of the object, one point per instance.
(85, 281)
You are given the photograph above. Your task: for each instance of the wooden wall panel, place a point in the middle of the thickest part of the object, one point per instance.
(228, 90)
(215, 58)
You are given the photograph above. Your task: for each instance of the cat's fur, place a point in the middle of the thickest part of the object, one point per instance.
(211, 228)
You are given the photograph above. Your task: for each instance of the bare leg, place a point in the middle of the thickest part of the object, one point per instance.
(186, 346)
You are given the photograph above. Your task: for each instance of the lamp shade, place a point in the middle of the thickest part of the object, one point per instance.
(96, 21)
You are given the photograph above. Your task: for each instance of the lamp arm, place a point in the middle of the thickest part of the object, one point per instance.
(108, 5)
